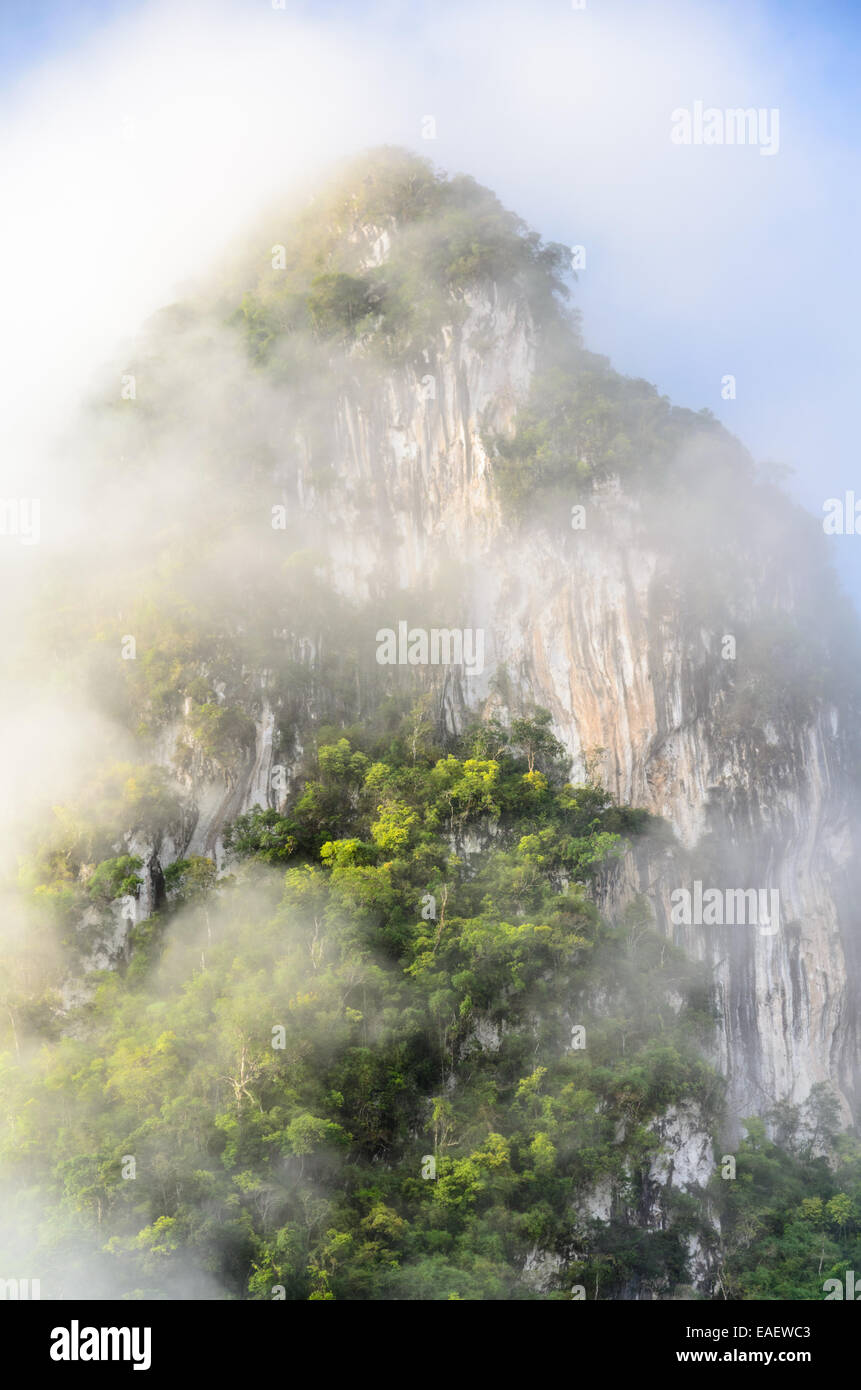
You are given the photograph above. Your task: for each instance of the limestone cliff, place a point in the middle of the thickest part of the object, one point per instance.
(593, 624)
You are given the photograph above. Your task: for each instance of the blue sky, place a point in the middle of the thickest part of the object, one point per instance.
(700, 262)
(33, 30)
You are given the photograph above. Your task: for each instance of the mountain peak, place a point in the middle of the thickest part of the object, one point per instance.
(385, 247)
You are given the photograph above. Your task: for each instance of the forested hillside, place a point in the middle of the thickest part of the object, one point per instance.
(332, 980)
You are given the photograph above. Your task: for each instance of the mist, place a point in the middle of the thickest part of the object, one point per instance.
(283, 370)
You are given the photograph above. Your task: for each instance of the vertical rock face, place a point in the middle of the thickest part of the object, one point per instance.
(413, 477)
(683, 1164)
(593, 624)
(581, 624)
(575, 630)
(217, 803)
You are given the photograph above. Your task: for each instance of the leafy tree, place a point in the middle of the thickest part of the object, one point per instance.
(535, 737)
(115, 878)
(190, 878)
(264, 834)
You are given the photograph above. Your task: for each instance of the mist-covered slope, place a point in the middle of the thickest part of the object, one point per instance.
(380, 417)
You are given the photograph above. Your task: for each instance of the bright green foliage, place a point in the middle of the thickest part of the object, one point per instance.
(279, 1064)
(264, 834)
(114, 878)
(189, 878)
(791, 1217)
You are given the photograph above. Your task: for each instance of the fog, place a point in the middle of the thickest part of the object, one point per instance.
(130, 159)
(150, 170)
